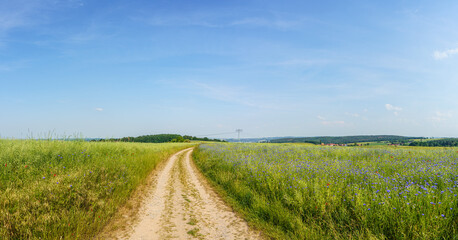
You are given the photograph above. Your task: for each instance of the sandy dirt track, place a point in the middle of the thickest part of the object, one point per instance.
(181, 205)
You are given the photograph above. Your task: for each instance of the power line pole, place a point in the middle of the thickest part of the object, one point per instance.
(238, 133)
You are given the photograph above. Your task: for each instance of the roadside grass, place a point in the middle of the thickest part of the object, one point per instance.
(305, 192)
(194, 232)
(70, 189)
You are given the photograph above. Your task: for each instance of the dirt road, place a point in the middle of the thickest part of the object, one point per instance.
(181, 205)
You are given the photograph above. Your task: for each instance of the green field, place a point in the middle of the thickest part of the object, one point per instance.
(314, 192)
(69, 189)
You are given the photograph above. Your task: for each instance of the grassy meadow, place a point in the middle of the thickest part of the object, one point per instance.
(320, 192)
(69, 189)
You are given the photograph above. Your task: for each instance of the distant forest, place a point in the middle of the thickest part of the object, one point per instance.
(444, 142)
(158, 138)
(348, 139)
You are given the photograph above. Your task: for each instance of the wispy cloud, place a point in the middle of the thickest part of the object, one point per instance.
(93, 32)
(393, 108)
(439, 55)
(12, 16)
(19, 13)
(333, 123)
(198, 19)
(441, 116)
(301, 62)
(326, 122)
(321, 118)
(356, 115)
(99, 109)
(222, 20)
(181, 21)
(265, 22)
(12, 66)
(231, 94)
(4, 68)
(390, 107)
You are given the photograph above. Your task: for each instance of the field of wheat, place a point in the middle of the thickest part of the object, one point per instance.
(69, 189)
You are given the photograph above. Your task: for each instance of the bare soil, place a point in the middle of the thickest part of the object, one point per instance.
(180, 204)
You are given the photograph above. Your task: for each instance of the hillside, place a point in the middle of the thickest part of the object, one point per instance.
(346, 139)
(443, 142)
(158, 138)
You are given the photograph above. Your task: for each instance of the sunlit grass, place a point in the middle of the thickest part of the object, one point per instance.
(54, 189)
(309, 192)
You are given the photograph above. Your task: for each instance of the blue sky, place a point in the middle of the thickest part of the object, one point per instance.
(272, 68)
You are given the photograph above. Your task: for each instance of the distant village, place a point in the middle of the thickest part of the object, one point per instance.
(358, 144)
(346, 144)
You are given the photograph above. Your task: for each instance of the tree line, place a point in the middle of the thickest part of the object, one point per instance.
(158, 138)
(444, 142)
(348, 139)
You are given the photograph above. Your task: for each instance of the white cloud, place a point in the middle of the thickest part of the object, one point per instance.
(352, 114)
(444, 114)
(321, 118)
(99, 109)
(390, 107)
(394, 109)
(439, 55)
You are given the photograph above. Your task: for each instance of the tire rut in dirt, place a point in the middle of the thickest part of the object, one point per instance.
(183, 206)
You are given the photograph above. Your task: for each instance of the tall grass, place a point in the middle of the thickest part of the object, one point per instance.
(69, 190)
(307, 192)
